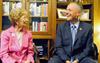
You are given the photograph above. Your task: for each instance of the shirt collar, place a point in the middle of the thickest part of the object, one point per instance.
(76, 24)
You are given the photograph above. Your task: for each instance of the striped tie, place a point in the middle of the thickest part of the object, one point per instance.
(73, 32)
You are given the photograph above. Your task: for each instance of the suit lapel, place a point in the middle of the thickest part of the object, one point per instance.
(79, 32)
(68, 30)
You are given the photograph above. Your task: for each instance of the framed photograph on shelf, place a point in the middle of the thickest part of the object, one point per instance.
(61, 13)
(85, 15)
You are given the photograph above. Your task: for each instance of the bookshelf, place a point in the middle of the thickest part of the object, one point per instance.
(6, 6)
(87, 8)
(40, 24)
(62, 4)
(40, 19)
(40, 16)
(43, 46)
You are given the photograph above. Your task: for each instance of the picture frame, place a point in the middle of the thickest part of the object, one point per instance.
(61, 13)
(85, 15)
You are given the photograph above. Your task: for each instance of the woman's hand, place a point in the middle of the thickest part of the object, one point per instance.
(27, 61)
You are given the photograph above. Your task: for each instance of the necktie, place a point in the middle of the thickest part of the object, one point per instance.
(73, 30)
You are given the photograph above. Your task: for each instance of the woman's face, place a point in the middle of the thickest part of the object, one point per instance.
(23, 21)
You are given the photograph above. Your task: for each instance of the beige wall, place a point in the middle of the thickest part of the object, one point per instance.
(97, 24)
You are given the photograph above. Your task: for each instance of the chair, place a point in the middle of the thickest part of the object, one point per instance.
(36, 56)
(94, 53)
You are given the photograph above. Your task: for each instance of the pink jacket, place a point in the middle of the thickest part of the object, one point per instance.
(11, 52)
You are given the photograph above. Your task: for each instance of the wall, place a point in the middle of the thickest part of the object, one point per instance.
(97, 25)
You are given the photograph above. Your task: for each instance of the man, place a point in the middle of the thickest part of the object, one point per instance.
(74, 38)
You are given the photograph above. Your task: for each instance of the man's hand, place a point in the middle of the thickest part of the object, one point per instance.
(67, 61)
(75, 61)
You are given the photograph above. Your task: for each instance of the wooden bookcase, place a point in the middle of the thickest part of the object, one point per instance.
(47, 19)
(62, 4)
(43, 21)
(40, 14)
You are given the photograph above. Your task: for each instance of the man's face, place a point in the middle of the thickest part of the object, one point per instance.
(72, 12)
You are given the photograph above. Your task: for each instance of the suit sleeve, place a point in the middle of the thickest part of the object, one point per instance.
(58, 45)
(30, 49)
(4, 49)
(88, 47)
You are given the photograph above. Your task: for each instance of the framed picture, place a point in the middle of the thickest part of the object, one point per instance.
(61, 13)
(85, 15)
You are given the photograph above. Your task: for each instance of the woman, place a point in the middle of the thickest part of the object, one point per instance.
(16, 41)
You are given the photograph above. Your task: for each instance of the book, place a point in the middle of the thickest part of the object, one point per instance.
(33, 9)
(42, 9)
(45, 9)
(15, 5)
(5, 8)
(35, 26)
(19, 5)
(43, 26)
(40, 49)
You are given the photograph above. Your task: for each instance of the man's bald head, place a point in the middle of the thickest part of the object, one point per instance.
(76, 6)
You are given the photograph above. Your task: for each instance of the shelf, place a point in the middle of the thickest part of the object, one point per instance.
(61, 19)
(40, 16)
(44, 58)
(66, 20)
(42, 36)
(86, 20)
(44, 33)
(66, 3)
(5, 15)
(12, 1)
(38, 1)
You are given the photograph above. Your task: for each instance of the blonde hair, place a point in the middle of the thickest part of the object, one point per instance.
(16, 14)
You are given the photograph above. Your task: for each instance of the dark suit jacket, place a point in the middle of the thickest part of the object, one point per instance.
(82, 45)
